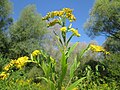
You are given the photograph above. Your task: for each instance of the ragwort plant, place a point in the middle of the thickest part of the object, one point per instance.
(55, 78)
(61, 17)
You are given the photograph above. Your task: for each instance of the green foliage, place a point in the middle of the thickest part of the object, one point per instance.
(18, 81)
(96, 81)
(71, 70)
(113, 64)
(112, 45)
(104, 19)
(5, 22)
(27, 33)
(3, 61)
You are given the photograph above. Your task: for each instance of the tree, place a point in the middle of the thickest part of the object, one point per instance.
(113, 67)
(27, 33)
(112, 45)
(5, 22)
(104, 19)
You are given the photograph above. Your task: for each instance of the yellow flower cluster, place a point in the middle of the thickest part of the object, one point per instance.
(57, 13)
(97, 48)
(53, 14)
(52, 23)
(7, 67)
(4, 75)
(19, 63)
(36, 52)
(71, 17)
(65, 12)
(63, 29)
(75, 32)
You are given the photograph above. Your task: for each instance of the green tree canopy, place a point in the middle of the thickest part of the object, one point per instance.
(27, 33)
(5, 22)
(104, 19)
(112, 45)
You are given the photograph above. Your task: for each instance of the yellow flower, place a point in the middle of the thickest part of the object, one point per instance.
(61, 13)
(7, 67)
(107, 52)
(63, 29)
(53, 14)
(75, 32)
(3, 75)
(71, 17)
(97, 48)
(47, 16)
(20, 62)
(36, 52)
(67, 10)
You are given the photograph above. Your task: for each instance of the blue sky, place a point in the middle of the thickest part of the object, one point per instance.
(81, 12)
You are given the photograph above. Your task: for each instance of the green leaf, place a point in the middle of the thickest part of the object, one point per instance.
(45, 69)
(63, 69)
(71, 49)
(73, 68)
(63, 65)
(69, 39)
(83, 51)
(51, 84)
(73, 85)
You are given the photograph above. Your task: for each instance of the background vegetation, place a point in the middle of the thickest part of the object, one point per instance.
(30, 32)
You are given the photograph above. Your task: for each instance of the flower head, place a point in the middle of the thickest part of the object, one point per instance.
(8, 66)
(71, 17)
(20, 62)
(75, 32)
(97, 48)
(67, 10)
(3, 75)
(63, 29)
(35, 53)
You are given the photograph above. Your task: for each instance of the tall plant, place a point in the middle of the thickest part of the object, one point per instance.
(56, 79)
(60, 17)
